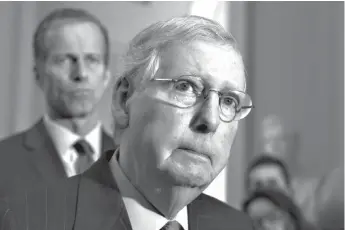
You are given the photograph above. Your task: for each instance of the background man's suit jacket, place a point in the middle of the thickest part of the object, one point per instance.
(92, 201)
(30, 158)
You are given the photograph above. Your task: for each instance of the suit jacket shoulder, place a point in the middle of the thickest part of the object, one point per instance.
(13, 142)
(25, 158)
(41, 207)
(206, 212)
(30, 158)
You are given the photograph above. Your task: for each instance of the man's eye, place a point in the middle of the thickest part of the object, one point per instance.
(93, 59)
(184, 86)
(61, 60)
(230, 102)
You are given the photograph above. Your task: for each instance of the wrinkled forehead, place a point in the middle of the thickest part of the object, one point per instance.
(219, 65)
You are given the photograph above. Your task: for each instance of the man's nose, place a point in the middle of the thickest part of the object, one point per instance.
(206, 119)
(80, 71)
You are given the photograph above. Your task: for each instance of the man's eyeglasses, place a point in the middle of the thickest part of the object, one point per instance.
(186, 91)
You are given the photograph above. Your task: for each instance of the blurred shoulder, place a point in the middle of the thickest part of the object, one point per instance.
(13, 140)
(223, 213)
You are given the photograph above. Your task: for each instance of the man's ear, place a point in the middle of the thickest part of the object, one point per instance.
(121, 94)
(38, 79)
(107, 77)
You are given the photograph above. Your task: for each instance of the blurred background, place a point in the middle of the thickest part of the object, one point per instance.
(294, 56)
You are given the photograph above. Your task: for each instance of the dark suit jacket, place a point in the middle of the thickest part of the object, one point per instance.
(29, 159)
(92, 201)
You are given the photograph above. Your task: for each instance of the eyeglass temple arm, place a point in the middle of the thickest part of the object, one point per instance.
(248, 107)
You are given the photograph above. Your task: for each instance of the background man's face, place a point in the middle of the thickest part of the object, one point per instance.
(159, 133)
(267, 216)
(73, 74)
(267, 176)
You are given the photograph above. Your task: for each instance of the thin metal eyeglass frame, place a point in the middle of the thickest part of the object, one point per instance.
(219, 93)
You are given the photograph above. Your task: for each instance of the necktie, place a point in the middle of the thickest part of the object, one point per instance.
(84, 159)
(172, 225)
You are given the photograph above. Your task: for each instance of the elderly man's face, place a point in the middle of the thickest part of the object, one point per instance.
(73, 74)
(267, 216)
(184, 146)
(267, 176)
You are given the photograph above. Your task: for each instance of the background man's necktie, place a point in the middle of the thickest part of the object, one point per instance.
(84, 159)
(172, 225)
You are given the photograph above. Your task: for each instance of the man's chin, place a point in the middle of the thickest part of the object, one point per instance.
(192, 180)
(76, 114)
(79, 111)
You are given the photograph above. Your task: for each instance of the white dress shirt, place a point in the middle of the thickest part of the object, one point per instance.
(140, 212)
(64, 139)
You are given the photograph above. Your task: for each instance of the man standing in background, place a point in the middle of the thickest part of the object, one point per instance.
(71, 66)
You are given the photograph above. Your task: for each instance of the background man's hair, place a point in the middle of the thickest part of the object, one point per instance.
(143, 54)
(267, 159)
(76, 15)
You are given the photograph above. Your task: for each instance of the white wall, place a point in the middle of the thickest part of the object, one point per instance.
(18, 100)
(6, 15)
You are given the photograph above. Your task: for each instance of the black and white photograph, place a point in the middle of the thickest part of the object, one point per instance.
(172, 115)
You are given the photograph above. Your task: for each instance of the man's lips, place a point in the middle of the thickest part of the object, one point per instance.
(196, 152)
(81, 92)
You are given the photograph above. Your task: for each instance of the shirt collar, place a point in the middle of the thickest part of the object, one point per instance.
(140, 211)
(63, 138)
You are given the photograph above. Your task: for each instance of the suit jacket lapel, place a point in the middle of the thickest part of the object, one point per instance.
(99, 191)
(43, 154)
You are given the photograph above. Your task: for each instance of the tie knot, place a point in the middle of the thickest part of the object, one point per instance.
(172, 225)
(83, 147)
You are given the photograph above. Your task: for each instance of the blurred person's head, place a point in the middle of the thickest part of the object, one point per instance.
(267, 171)
(71, 58)
(273, 210)
(177, 104)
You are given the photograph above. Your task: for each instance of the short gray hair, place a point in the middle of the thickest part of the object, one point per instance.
(143, 54)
